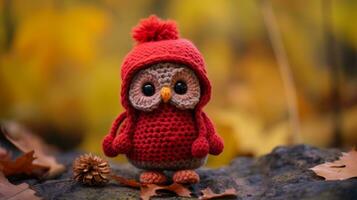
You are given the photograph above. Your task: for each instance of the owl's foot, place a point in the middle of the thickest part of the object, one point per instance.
(153, 177)
(186, 177)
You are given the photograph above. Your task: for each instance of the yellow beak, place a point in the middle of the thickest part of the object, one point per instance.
(165, 94)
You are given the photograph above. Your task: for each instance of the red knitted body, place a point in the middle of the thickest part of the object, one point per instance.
(163, 135)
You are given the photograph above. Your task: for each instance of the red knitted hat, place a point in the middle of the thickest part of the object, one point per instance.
(159, 41)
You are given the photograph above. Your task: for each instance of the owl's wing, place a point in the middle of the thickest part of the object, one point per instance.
(110, 141)
(215, 141)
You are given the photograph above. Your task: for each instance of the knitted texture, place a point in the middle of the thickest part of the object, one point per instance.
(166, 134)
(191, 163)
(163, 135)
(154, 29)
(186, 177)
(215, 141)
(152, 177)
(164, 74)
(108, 140)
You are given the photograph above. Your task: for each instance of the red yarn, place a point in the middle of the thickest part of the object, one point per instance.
(186, 177)
(154, 29)
(163, 135)
(153, 177)
(215, 141)
(108, 140)
(159, 136)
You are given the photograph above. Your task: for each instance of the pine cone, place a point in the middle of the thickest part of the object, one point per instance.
(91, 170)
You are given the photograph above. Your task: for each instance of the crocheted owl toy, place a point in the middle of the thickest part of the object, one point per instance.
(164, 88)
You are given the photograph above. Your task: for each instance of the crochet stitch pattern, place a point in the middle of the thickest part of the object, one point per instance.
(162, 137)
(165, 129)
(152, 177)
(164, 74)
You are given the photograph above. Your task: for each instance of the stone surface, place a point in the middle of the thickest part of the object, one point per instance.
(282, 174)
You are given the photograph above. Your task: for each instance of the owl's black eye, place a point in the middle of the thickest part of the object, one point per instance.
(180, 87)
(148, 89)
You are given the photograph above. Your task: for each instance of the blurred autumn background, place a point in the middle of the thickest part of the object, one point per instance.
(283, 72)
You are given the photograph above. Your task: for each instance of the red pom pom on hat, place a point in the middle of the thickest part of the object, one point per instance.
(154, 29)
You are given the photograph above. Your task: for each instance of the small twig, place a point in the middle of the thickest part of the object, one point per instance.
(285, 71)
(126, 182)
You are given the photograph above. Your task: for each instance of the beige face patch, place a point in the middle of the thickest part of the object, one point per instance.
(160, 75)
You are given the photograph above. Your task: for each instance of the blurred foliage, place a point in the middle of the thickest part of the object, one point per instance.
(60, 61)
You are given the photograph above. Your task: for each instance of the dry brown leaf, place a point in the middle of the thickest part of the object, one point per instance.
(150, 190)
(9, 191)
(209, 194)
(24, 164)
(343, 168)
(147, 192)
(125, 181)
(26, 142)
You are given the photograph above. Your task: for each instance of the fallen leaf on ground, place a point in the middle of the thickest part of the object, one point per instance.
(343, 168)
(24, 164)
(25, 141)
(150, 190)
(15, 192)
(125, 181)
(209, 194)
